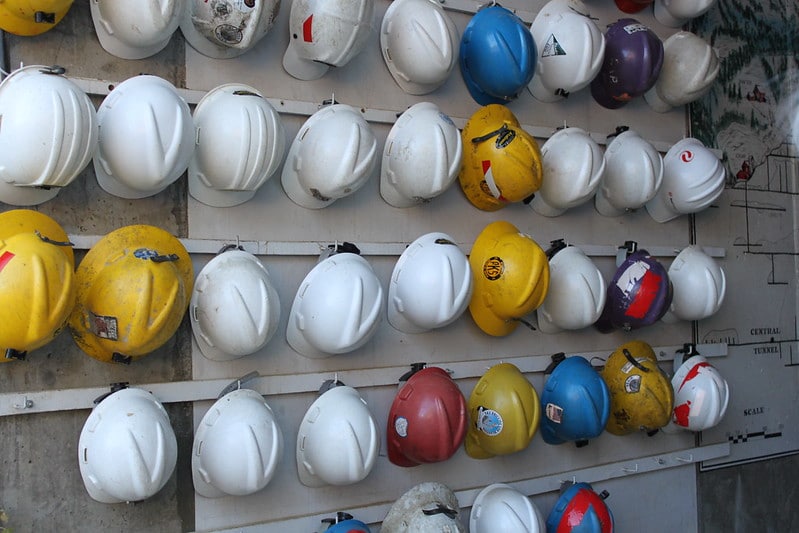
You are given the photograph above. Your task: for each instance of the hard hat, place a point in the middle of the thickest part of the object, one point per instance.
(431, 285)
(338, 440)
(337, 308)
(31, 17)
(641, 397)
(497, 55)
(573, 166)
(239, 145)
(511, 277)
(698, 283)
(500, 507)
(577, 291)
(222, 29)
(343, 523)
(429, 507)
(690, 66)
(324, 34)
(48, 135)
(235, 308)
(693, 178)
(675, 13)
(29, 221)
(633, 58)
(427, 420)
(333, 155)
(133, 289)
(422, 155)
(146, 137)
(638, 295)
(633, 175)
(503, 412)
(632, 6)
(570, 47)
(127, 448)
(237, 446)
(576, 402)
(701, 395)
(580, 510)
(136, 29)
(37, 288)
(419, 42)
(501, 161)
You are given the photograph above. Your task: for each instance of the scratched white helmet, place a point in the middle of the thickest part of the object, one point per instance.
(135, 29)
(429, 507)
(675, 13)
(227, 28)
(701, 395)
(237, 447)
(146, 138)
(324, 34)
(239, 145)
(500, 507)
(420, 44)
(698, 284)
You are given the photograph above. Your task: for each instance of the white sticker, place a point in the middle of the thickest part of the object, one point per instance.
(554, 413)
(401, 426)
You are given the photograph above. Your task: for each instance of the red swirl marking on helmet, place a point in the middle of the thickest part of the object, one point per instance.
(307, 27)
(686, 156)
(692, 373)
(4, 259)
(648, 289)
(681, 413)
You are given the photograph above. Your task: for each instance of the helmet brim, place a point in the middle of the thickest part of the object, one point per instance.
(301, 68)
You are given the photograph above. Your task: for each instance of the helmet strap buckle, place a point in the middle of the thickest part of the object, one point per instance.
(15, 354)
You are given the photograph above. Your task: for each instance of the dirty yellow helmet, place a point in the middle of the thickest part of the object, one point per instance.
(511, 277)
(503, 413)
(641, 396)
(501, 161)
(134, 286)
(37, 289)
(31, 17)
(30, 221)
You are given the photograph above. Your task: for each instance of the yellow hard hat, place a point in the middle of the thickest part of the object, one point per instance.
(641, 396)
(503, 413)
(134, 286)
(37, 289)
(501, 161)
(30, 221)
(511, 277)
(31, 17)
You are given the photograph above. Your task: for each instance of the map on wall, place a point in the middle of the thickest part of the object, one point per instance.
(751, 116)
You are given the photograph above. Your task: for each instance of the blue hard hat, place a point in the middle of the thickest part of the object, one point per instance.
(497, 56)
(575, 402)
(348, 526)
(580, 510)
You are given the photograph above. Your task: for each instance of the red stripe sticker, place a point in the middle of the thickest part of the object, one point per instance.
(4, 259)
(307, 28)
(648, 288)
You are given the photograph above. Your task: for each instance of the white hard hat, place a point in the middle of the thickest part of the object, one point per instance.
(421, 157)
(633, 175)
(570, 47)
(146, 138)
(235, 309)
(223, 29)
(324, 34)
(693, 178)
(48, 134)
(237, 446)
(573, 166)
(429, 507)
(420, 44)
(333, 155)
(135, 29)
(338, 440)
(239, 145)
(698, 286)
(690, 66)
(127, 448)
(701, 395)
(675, 13)
(338, 307)
(431, 285)
(577, 291)
(500, 507)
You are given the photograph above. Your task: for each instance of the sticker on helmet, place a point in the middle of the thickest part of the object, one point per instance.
(686, 156)
(401, 426)
(445, 118)
(633, 383)
(228, 34)
(4, 259)
(552, 47)
(488, 185)
(554, 412)
(493, 268)
(244, 5)
(629, 365)
(634, 28)
(681, 414)
(104, 327)
(505, 137)
(307, 29)
(489, 421)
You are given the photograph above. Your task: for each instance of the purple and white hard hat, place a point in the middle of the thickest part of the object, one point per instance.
(633, 58)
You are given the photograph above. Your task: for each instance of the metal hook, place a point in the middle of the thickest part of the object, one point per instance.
(630, 470)
(684, 460)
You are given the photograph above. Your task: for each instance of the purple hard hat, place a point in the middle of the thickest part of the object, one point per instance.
(633, 57)
(638, 295)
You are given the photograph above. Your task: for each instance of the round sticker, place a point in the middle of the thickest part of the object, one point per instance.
(493, 268)
(489, 421)
(633, 383)
(401, 426)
